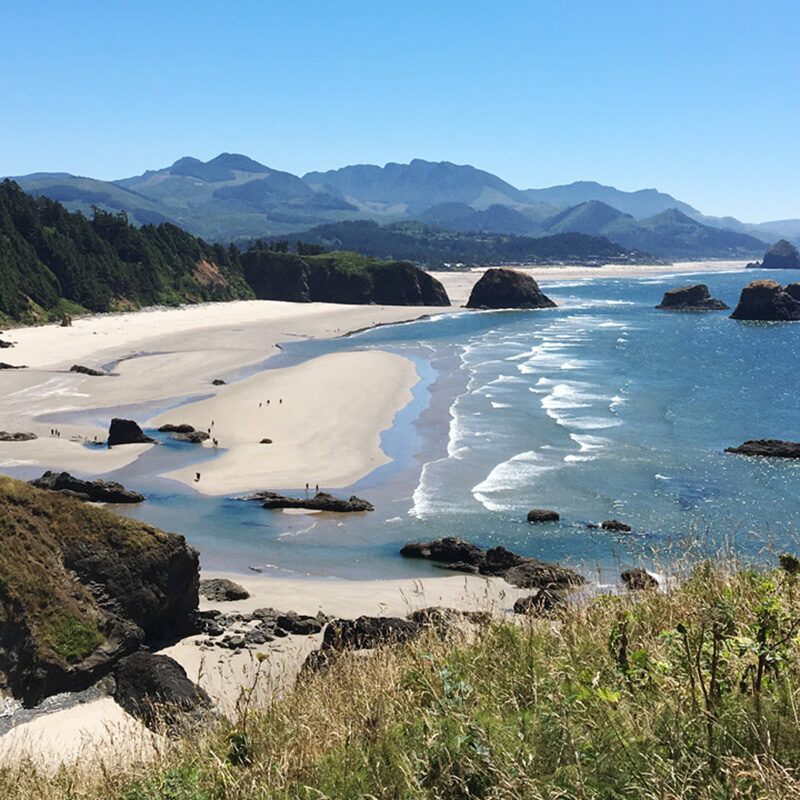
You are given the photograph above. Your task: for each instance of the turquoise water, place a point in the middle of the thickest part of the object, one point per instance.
(603, 407)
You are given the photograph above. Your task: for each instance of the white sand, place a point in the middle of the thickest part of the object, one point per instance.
(324, 418)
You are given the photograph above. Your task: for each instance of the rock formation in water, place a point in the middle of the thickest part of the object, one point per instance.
(321, 501)
(126, 431)
(95, 491)
(615, 525)
(82, 588)
(543, 515)
(769, 301)
(87, 370)
(458, 555)
(507, 288)
(19, 436)
(691, 298)
(767, 448)
(782, 255)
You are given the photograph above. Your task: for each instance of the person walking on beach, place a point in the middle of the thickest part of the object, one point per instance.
(197, 477)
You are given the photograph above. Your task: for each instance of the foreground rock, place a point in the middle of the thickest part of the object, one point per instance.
(540, 604)
(95, 491)
(222, 589)
(543, 515)
(507, 288)
(126, 431)
(322, 501)
(156, 690)
(638, 579)
(691, 298)
(6, 436)
(366, 633)
(82, 588)
(769, 301)
(458, 555)
(767, 448)
(87, 370)
(782, 255)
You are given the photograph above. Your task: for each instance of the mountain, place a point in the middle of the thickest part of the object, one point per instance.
(408, 189)
(590, 218)
(436, 247)
(642, 203)
(462, 217)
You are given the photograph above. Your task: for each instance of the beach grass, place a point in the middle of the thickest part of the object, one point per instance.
(685, 693)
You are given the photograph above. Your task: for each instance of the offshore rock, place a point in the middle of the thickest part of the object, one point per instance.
(769, 301)
(691, 298)
(96, 491)
(507, 288)
(767, 448)
(321, 501)
(126, 431)
(615, 525)
(543, 515)
(782, 255)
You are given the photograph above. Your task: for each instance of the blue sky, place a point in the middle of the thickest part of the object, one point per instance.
(700, 99)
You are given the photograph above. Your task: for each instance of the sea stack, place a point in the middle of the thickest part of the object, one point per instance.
(782, 255)
(507, 288)
(691, 298)
(126, 431)
(769, 301)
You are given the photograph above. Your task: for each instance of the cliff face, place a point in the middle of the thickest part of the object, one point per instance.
(81, 587)
(340, 278)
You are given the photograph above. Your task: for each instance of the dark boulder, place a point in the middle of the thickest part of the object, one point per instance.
(507, 288)
(366, 633)
(767, 448)
(638, 579)
(221, 589)
(218, 382)
(265, 441)
(195, 437)
(4, 344)
(767, 300)
(126, 431)
(691, 298)
(181, 428)
(322, 501)
(298, 624)
(155, 689)
(539, 604)
(6, 436)
(615, 525)
(455, 554)
(4, 365)
(782, 255)
(96, 491)
(543, 515)
(87, 370)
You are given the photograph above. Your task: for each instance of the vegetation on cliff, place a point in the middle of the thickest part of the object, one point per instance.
(691, 693)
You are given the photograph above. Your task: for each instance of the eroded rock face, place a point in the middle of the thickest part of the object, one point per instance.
(7, 436)
(768, 301)
(767, 448)
(782, 255)
(155, 689)
(222, 589)
(458, 555)
(126, 431)
(638, 579)
(96, 491)
(507, 288)
(691, 298)
(321, 501)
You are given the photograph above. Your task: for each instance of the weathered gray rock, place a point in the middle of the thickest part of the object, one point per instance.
(767, 448)
(507, 288)
(222, 589)
(6, 436)
(126, 431)
(96, 491)
(768, 301)
(543, 515)
(691, 298)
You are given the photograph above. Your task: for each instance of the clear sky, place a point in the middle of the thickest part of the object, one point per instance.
(699, 98)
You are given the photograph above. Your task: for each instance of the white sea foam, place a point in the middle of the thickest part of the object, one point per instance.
(500, 405)
(520, 471)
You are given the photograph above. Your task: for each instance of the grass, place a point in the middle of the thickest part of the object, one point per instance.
(692, 693)
(70, 637)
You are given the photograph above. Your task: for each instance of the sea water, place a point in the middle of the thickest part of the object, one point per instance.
(601, 408)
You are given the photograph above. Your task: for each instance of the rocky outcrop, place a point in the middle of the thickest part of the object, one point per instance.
(4, 344)
(155, 689)
(321, 501)
(87, 370)
(615, 525)
(507, 288)
(769, 301)
(222, 589)
(126, 431)
(19, 436)
(183, 427)
(539, 604)
(82, 588)
(286, 276)
(782, 255)
(767, 448)
(691, 298)
(237, 631)
(95, 491)
(458, 555)
(4, 365)
(366, 633)
(195, 437)
(218, 382)
(543, 515)
(638, 579)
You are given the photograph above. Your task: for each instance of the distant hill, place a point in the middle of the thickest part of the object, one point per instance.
(462, 217)
(437, 248)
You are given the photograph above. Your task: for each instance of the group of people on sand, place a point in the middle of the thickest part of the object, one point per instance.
(280, 402)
